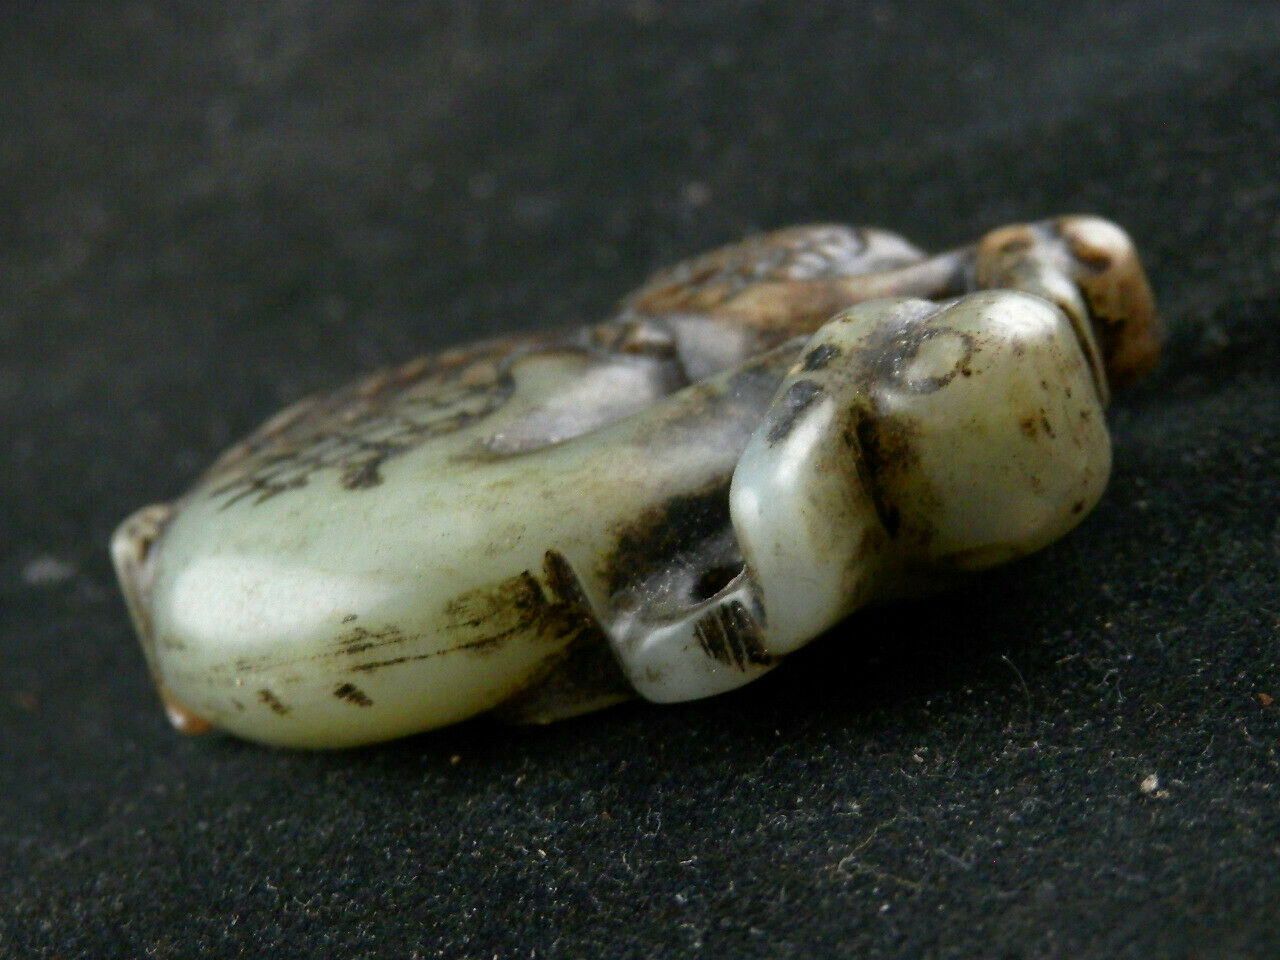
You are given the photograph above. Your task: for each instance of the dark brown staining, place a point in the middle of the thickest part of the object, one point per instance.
(579, 675)
(887, 454)
(677, 527)
(1032, 426)
(357, 429)
(731, 635)
(800, 396)
(272, 701)
(520, 608)
(353, 695)
(1077, 507)
(819, 357)
(561, 580)
(362, 475)
(566, 614)
(360, 639)
(889, 356)
(373, 665)
(482, 645)
(708, 281)
(582, 677)
(499, 610)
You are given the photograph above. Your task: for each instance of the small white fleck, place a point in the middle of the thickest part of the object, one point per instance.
(47, 571)
(696, 193)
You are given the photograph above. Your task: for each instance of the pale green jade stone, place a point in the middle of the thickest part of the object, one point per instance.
(760, 442)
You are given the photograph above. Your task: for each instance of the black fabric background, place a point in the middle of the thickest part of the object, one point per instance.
(210, 209)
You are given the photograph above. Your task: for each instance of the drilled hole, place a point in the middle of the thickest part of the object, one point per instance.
(713, 581)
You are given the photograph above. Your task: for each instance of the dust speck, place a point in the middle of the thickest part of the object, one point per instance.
(47, 571)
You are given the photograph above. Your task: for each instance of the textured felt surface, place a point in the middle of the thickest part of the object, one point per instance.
(210, 209)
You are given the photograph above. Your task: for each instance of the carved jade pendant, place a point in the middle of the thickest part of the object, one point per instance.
(759, 442)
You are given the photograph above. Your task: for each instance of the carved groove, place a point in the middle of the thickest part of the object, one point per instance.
(730, 634)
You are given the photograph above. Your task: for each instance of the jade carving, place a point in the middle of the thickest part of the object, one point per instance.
(758, 442)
